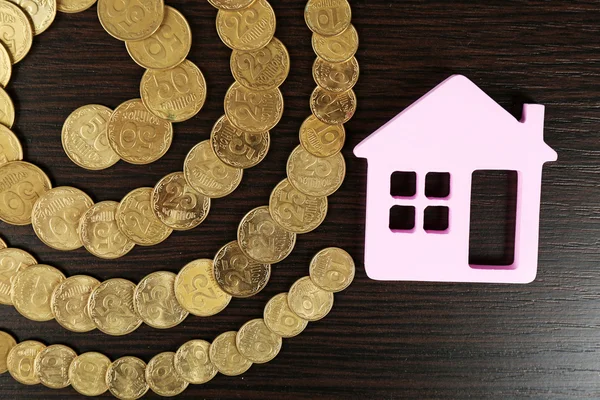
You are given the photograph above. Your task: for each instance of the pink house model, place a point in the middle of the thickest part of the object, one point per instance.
(452, 131)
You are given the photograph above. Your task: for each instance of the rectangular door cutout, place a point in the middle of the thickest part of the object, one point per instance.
(493, 219)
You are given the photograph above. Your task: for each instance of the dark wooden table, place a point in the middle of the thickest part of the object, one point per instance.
(382, 340)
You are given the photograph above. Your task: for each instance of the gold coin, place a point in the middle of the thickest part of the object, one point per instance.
(20, 361)
(177, 204)
(206, 173)
(137, 135)
(167, 47)
(280, 319)
(262, 239)
(333, 108)
(55, 217)
(111, 308)
(253, 111)
(74, 6)
(263, 69)
(69, 303)
(250, 28)
(100, 234)
(21, 184)
(258, 343)
(237, 274)
(193, 364)
(131, 19)
(321, 139)
(7, 342)
(332, 269)
(10, 146)
(41, 13)
(162, 377)
(32, 289)
(126, 378)
(197, 290)
(155, 302)
(87, 373)
(16, 32)
(337, 48)
(85, 140)
(295, 211)
(336, 77)
(7, 108)
(2, 244)
(315, 176)
(175, 94)
(11, 262)
(237, 148)
(51, 366)
(138, 222)
(309, 301)
(328, 18)
(230, 4)
(5, 66)
(225, 356)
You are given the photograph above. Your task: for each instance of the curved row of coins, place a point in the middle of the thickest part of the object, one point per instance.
(197, 361)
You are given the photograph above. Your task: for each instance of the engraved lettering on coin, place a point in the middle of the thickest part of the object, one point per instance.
(130, 19)
(32, 289)
(55, 217)
(74, 6)
(111, 307)
(7, 108)
(85, 140)
(309, 301)
(253, 111)
(7, 342)
(175, 94)
(51, 366)
(155, 302)
(281, 319)
(197, 290)
(137, 135)
(321, 139)
(20, 362)
(11, 262)
(332, 269)
(336, 77)
(315, 176)
(41, 13)
(69, 303)
(262, 239)
(338, 48)
(225, 356)
(333, 108)
(162, 377)
(258, 343)
(295, 211)
(206, 173)
(5, 65)
(192, 362)
(16, 32)
(10, 146)
(21, 184)
(237, 148)
(230, 4)
(237, 274)
(138, 222)
(87, 373)
(167, 47)
(250, 28)
(126, 378)
(100, 234)
(263, 69)
(327, 17)
(177, 204)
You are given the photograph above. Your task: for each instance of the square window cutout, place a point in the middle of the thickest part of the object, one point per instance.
(436, 219)
(437, 185)
(402, 218)
(403, 184)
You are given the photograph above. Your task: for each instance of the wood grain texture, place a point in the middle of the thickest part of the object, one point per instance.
(382, 340)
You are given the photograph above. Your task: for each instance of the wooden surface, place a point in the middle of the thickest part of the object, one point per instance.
(381, 340)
